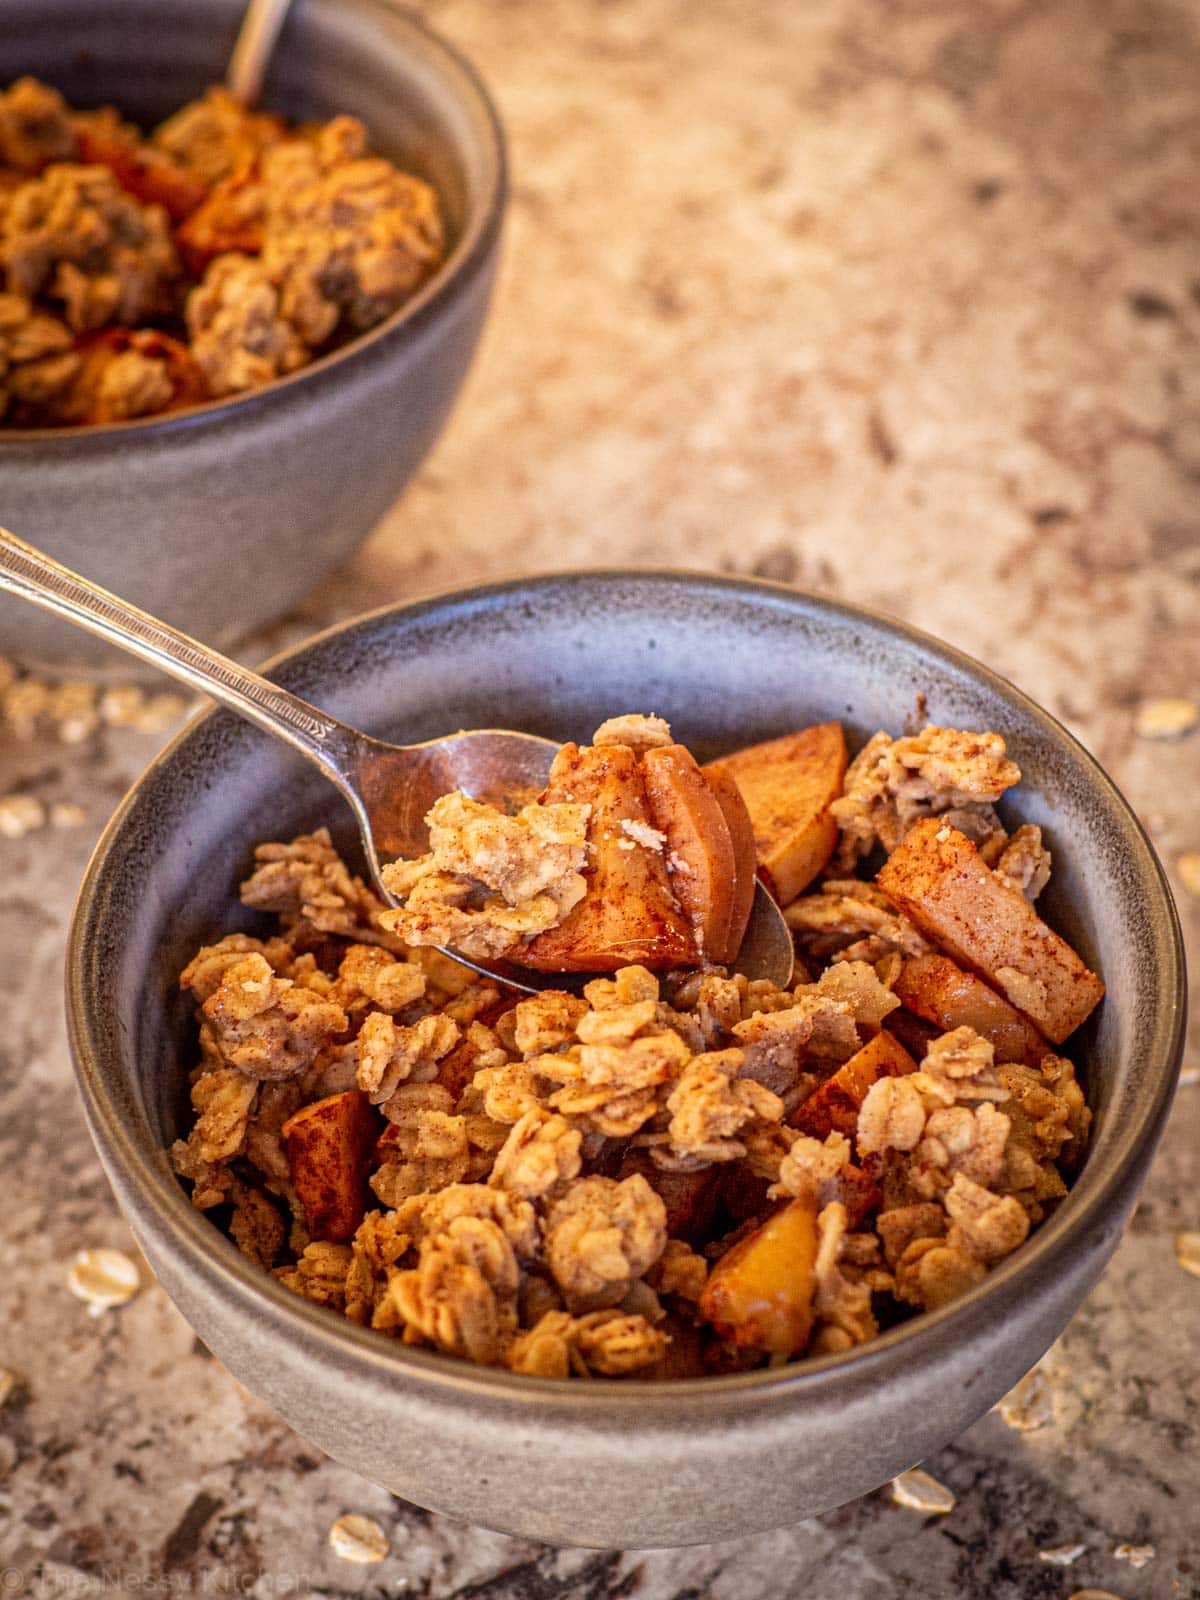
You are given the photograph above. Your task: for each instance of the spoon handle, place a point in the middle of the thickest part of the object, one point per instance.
(252, 51)
(35, 576)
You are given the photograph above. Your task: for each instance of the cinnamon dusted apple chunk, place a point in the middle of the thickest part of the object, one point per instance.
(788, 786)
(834, 1106)
(759, 1296)
(628, 914)
(741, 836)
(703, 866)
(935, 988)
(329, 1146)
(936, 877)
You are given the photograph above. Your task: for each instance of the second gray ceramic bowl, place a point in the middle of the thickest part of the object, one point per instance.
(630, 1464)
(220, 518)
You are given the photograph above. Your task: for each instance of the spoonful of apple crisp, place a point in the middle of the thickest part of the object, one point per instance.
(526, 860)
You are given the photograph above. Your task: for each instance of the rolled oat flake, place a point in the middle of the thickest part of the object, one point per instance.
(919, 1492)
(1187, 1252)
(66, 814)
(1169, 718)
(21, 814)
(1030, 1405)
(1062, 1555)
(358, 1539)
(1137, 1555)
(1188, 868)
(103, 1279)
(8, 1384)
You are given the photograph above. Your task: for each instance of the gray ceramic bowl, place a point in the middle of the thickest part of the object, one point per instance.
(632, 1464)
(221, 517)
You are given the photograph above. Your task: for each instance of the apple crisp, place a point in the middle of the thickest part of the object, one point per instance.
(665, 1169)
(140, 274)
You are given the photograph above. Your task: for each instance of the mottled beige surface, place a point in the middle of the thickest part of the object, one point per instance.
(897, 301)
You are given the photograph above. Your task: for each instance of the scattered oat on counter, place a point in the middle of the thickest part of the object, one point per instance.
(1168, 718)
(1137, 1555)
(72, 712)
(8, 1386)
(920, 1492)
(1187, 1252)
(103, 1278)
(1030, 1404)
(1188, 868)
(72, 709)
(66, 814)
(20, 814)
(1094, 1594)
(1189, 1077)
(160, 712)
(26, 702)
(1062, 1555)
(121, 707)
(358, 1539)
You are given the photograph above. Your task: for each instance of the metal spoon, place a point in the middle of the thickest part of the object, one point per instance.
(389, 787)
(252, 49)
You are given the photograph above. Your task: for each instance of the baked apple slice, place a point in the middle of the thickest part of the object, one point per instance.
(151, 176)
(759, 1296)
(230, 218)
(938, 879)
(629, 914)
(745, 856)
(935, 988)
(788, 785)
(834, 1106)
(700, 857)
(690, 1197)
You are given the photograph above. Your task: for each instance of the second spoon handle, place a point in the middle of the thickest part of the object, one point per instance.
(35, 576)
(255, 42)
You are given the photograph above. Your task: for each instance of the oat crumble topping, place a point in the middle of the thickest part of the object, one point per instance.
(530, 863)
(892, 783)
(637, 732)
(215, 137)
(237, 330)
(221, 251)
(588, 1184)
(35, 127)
(93, 252)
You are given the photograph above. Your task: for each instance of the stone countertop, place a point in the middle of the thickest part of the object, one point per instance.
(899, 302)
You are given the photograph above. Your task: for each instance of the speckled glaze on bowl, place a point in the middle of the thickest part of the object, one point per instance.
(629, 1464)
(221, 517)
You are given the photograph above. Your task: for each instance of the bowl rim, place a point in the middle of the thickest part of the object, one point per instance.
(154, 1190)
(470, 253)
